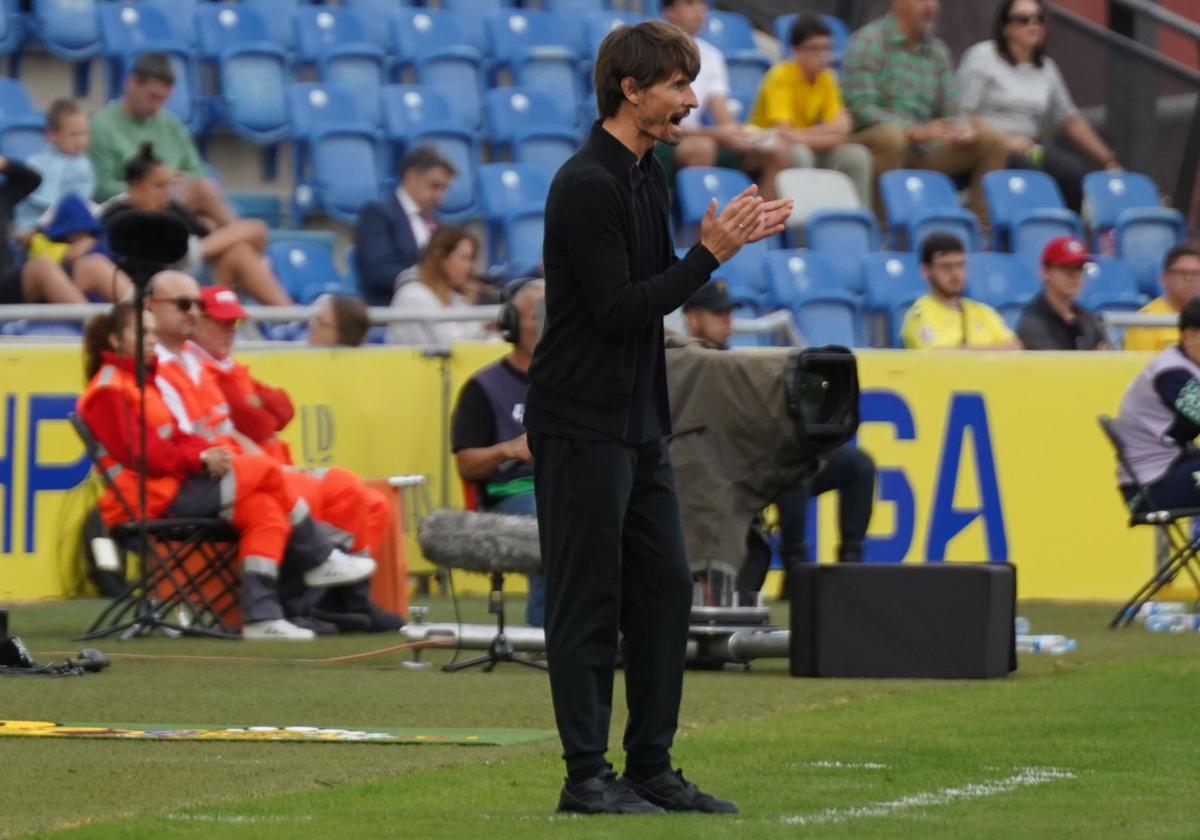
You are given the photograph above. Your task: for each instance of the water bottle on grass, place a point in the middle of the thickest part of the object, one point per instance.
(1173, 623)
(1045, 643)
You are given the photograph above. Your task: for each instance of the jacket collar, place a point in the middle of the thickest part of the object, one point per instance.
(125, 363)
(616, 157)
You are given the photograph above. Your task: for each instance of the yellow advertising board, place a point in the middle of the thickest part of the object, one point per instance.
(981, 457)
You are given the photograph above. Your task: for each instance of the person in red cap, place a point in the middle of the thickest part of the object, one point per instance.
(340, 500)
(1054, 320)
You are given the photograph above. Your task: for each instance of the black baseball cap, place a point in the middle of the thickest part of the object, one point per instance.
(713, 296)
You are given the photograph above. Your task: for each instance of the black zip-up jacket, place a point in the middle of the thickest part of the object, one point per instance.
(599, 370)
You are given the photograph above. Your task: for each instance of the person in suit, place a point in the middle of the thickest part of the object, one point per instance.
(392, 232)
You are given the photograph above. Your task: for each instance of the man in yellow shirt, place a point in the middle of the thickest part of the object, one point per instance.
(944, 319)
(799, 99)
(1180, 283)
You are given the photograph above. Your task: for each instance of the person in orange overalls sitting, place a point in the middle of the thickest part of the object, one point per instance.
(219, 398)
(187, 476)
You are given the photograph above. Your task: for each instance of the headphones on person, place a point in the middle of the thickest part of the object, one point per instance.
(509, 319)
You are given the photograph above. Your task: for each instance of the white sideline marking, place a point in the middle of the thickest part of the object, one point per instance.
(235, 818)
(1027, 777)
(848, 765)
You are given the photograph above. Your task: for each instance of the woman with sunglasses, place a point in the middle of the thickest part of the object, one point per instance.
(1010, 84)
(187, 476)
(234, 252)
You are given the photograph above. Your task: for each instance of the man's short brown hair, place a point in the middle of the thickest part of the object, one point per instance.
(649, 52)
(154, 66)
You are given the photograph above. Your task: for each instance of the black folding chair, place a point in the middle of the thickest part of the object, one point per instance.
(1183, 549)
(186, 580)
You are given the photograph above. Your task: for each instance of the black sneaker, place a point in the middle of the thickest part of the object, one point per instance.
(670, 791)
(603, 794)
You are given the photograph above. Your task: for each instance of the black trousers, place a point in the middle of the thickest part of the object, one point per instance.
(850, 472)
(612, 553)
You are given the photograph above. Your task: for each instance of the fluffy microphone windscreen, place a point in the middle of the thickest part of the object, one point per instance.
(148, 236)
(481, 542)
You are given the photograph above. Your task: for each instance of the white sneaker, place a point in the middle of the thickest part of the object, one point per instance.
(275, 628)
(340, 568)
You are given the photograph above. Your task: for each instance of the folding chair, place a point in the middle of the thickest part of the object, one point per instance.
(1183, 549)
(187, 583)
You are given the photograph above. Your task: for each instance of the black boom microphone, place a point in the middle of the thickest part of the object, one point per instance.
(146, 242)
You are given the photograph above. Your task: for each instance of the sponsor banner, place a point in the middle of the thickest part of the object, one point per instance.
(982, 457)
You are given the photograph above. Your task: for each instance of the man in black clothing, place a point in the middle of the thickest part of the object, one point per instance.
(597, 413)
(486, 432)
(1053, 320)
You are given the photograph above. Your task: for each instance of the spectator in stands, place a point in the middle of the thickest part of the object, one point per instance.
(945, 319)
(724, 141)
(36, 281)
(800, 100)
(1180, 283)
(189, 476)
(899, 87)
(708, 314)
(64, 165)
(124, 126)
(848, 469)
(1053, 320)
(443, 279)
(487, 435)
(339, 321)
(1159, 421)
(391, 232)
(1009, 85)
(234, 252)
(72, 244)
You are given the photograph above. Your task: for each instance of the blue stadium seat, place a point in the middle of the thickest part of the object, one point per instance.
(416, 115)
(338, 167)
(597, 25)
(251, 71)
(732, 34)
(338, 42)
(806, 283)
(22, 126)
(893, 281)
(919, 202)
(844, 237)
(1002, 281)
(695, 186)
(1128, 205)
(68, 29)
(474, 14)
(530, 126)
(1025, 205)
(746, 275)
(305, 267)
(378, 11)
(512, 197)
(576, 7)
(181, 17)
(782, 27)
(435, 44)
(48, 329)
(12, 30)
(1109, 287)
(278, 15)
(128, 30)
(265, 207)
(534, 47)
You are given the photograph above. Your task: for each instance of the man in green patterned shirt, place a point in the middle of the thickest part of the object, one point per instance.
(898, 83)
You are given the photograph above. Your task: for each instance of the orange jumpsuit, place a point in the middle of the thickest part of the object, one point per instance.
(213, 393)
(255, 498)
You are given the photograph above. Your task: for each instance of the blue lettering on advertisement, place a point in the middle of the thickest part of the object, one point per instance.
(47, 408)
(966, 414)
(6, 467)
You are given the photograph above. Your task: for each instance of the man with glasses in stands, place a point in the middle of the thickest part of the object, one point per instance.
(1180, 283)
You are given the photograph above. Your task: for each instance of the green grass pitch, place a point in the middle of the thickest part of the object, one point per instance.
(1093, 744)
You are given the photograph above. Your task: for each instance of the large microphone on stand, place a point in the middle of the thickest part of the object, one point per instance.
(145, 243)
